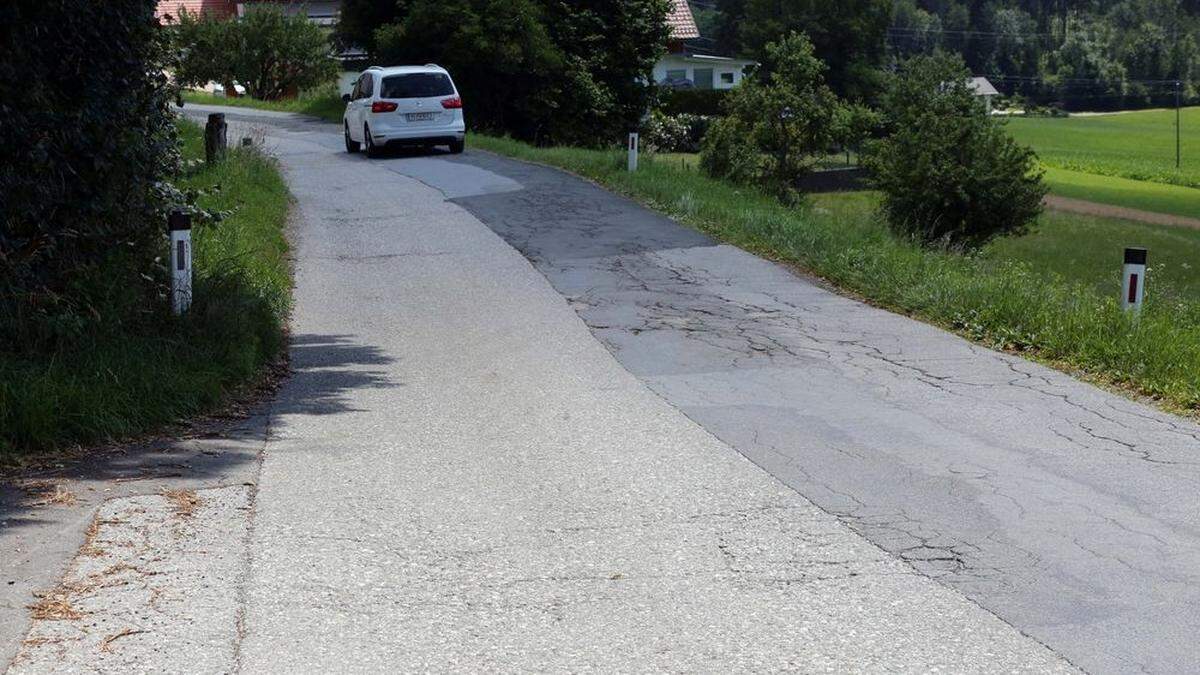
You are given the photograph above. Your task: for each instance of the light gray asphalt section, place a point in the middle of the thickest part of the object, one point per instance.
(460, 477)
(152, 590)
(1071, 512)
(45, 513)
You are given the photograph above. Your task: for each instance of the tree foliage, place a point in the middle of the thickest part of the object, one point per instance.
(1102, 54)
(271, 53)
(849, 36)
(548, 71)
(87, 138)
(950, 174)
(778, 123)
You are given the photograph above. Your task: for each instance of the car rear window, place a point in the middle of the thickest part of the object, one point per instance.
(416, 85)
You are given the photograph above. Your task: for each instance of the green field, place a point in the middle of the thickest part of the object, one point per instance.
(1137, 145)
(1134, 194)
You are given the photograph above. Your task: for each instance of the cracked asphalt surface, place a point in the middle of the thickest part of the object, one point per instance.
(459, 476)
(479, 466)
(1070, 512)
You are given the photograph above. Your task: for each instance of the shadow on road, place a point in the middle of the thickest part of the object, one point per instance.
(218, 450)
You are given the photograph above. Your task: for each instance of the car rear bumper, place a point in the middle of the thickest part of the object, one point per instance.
(417, 136)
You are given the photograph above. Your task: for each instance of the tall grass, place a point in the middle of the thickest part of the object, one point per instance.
(140, 375)
(999, 301)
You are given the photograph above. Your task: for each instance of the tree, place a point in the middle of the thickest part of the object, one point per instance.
(949, 172)
(848, 35)
(271, 53)
(778, 122)
(548, 71)
(359, 19)
(88, 142)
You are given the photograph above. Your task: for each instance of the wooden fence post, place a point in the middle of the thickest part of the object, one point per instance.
(215, 138)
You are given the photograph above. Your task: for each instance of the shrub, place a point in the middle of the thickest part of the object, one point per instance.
(271, 53)
(706, 102)
(783, 113)
(87, 136)
(674, 133)
(950, 174)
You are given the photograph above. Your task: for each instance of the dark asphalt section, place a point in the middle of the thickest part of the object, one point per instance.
(1067, 511)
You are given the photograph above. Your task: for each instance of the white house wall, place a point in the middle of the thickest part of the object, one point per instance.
(733, 67)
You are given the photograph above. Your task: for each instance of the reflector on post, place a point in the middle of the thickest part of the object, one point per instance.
(179, 226)
(633, 152)
(1133, 284)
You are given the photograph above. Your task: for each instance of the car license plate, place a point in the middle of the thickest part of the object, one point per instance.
(419, 117)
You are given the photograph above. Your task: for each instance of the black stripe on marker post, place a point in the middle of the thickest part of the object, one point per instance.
(1135, 256)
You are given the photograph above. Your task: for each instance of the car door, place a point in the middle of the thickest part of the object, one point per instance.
(362, 104)
(351, 115)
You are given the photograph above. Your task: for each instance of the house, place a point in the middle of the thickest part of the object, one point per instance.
(685, 67)
(169, 10)
(982, 87)
(321, 12)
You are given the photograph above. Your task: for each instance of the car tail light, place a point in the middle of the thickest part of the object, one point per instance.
(452, 103)
(383, 106)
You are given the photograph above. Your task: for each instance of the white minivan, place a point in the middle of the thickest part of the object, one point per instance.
(404, 105)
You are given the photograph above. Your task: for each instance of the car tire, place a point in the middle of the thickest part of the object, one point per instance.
(372, 149)
(352, 146)
(457, 147)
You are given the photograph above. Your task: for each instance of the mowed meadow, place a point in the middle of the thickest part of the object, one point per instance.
(1138, 145)
(1125, 159)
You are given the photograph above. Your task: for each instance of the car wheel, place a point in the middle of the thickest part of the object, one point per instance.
(456, 147)
(352, 146)
(372, 149)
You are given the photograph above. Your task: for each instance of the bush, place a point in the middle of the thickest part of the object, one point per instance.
(949, 172)
(674, 133)
(706, 102)
(778, 123)
(271, 53)
(87, 138)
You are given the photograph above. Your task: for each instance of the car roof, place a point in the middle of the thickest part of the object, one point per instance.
(402, 70)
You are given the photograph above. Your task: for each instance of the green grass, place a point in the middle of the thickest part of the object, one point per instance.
(121, 382)
(1136, 145)
(1134, 194)
(1047, 297)
(323, 102)
(1089, 250)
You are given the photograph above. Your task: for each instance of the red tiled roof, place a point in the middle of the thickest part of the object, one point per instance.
(171, 8)
(681, 21)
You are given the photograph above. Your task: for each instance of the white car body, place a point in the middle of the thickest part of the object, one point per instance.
(411, 105)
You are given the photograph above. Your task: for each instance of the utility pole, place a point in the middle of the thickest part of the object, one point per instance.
(1178, 93)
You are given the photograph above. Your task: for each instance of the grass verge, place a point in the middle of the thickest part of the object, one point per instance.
(996, 298)
(324, 103)
(120, 383)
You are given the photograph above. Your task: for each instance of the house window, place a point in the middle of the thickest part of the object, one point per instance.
(704, 78)
(677, 75)
(726, 78)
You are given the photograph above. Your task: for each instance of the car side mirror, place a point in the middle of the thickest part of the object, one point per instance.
(345, 98)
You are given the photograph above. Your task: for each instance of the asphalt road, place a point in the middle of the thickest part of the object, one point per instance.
(1070, 512)
(512, 441)
(459, 475)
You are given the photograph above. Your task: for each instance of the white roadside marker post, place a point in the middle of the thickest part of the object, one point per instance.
(1133, 287)
(633, 152)
(179, 226)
